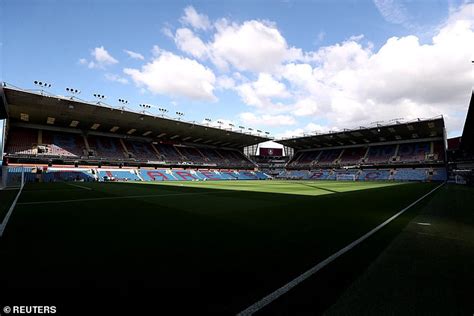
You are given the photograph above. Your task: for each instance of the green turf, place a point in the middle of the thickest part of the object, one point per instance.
(284, 187)
(196, 247)
(6, 199)
(428, 266)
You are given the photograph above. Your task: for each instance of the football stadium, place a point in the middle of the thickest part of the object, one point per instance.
(103, 203)
(115, 207)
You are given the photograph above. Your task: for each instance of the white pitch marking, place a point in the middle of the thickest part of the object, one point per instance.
(287, 287)
(10, 211)
(79, 186)
(115, 198)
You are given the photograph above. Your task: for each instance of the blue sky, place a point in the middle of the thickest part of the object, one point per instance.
(287, 67)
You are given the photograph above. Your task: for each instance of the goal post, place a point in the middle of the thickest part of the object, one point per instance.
(13, 177)
(10, 194)
(346, 177)
(459, 179)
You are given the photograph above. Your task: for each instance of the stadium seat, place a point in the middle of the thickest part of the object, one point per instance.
(67, 175)
(118, 174)
(409, 174)
(21, 142)
(414, 152)
(141, 151)
(59, 144)
(352, 156)
(380, 154)
(328, 157)
(106, 148)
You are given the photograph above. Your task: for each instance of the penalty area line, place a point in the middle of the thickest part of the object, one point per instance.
(287, 287)
(79, 186)
(116, 198)
(10, 211)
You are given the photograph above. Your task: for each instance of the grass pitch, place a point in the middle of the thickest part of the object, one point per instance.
(191, 247)
(6, 199)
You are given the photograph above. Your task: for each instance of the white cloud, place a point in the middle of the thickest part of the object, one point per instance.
(156, 51)
(251, 46)
(348, 85)
(100, 59)
(167, 32)
(188, 42)
(261, 92)
(320, 37)
(225, 82)
(266, 119)
(394, 11)
(310, 128)
(194, 19)
(176, 76)
(116, 78)
(305, 107)
(134, 55)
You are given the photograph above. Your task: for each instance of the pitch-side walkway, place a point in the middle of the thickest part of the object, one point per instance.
(427, 270)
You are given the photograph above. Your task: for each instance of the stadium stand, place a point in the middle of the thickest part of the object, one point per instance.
(106, 148)
(141, 151)
(22, 141)
(61, 144)
(271, 165)
(408, 151)
(191, 154)
(380, 154)
(438, 174)
(156, 175)
(410, 174)
(211, 155)
(151, 148)
(169, 153)
(45, 174)
(401, 174)
(58, 175)
(414, 152)
(304, 159)
(352, 156)
(118, 174)
(439, 152)
(328, 157)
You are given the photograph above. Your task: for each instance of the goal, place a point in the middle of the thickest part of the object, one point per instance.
(460, 179)
(10, 193)
(12, 178)
(346, 177)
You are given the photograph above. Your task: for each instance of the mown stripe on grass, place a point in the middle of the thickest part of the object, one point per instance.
(115, 198)
(79, 186)
(287, 287)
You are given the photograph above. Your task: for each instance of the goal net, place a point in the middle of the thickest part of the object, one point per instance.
(12, 177)
(11, 186)
(459, 179)
(345, 177)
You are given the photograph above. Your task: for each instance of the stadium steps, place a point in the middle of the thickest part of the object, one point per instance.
(86, 142)
(156, 150)
(125, 149)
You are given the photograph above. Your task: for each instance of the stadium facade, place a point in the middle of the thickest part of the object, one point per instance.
(58, 138)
